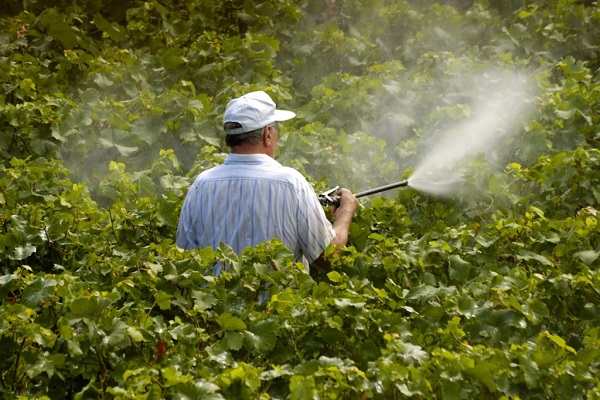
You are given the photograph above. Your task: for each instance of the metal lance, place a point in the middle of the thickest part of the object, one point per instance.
(329, 198)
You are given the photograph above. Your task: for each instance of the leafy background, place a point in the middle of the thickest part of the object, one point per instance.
(108, 109)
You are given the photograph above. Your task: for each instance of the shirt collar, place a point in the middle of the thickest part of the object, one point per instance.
(233, 158)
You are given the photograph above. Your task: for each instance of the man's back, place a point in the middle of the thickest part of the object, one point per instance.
(250, 199)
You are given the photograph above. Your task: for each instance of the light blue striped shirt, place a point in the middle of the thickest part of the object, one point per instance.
(249, 199)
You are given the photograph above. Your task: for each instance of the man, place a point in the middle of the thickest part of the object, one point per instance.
(251, 198)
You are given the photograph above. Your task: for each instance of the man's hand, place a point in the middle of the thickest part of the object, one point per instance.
(348, 204)
(341, 224)
(343, 217)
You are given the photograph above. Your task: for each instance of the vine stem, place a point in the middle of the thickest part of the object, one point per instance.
(16, 368)
(112, 224)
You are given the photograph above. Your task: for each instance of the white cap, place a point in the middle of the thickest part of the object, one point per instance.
(253, 111)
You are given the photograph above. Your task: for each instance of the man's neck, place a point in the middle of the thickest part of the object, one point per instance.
(249, 149)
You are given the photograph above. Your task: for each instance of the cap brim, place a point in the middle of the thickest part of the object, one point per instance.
(284, 115)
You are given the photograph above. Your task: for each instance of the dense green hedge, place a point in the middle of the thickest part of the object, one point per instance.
(109, 109)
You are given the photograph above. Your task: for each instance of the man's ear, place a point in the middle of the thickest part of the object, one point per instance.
(267, 135)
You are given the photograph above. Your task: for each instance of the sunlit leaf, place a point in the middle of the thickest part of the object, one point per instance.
(587, 256)
(22, 252)
(230, 323)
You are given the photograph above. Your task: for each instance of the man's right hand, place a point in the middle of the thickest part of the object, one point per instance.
(348, 203)
(341, 224)
(343, 217)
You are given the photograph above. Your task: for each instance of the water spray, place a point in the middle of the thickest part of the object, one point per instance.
(329, 198)
(502, 101)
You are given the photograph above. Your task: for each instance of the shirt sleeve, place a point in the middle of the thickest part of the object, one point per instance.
(315, 232)
(186, 238)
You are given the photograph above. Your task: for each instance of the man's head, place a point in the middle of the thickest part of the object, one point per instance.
(253, 111)
(251, 123)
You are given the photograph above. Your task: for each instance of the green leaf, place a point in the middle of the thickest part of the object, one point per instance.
(414, 354)
(200, 389)
(451, 390)
(485, 372)
(114, 30)
(233, 340)
(514, 302)
(535, 310)
(587, 256)
(135, 334)
(7, 283)
(263, 335)
(56, 27)
(343, 303)
(117, 335)
(49, 364)
(203, 300)
(87, 307)
(74, 348)
(230, 323)
(552, 237)
(531, 371)
(103, 81)
(145, 184)
(334, 276)
(38, 292)
(558, 341)
(486, 241)
(528, 255)
(377, 237)
(175, 377)
(163, 299)
(302, 388)
(22, 252)
(173, 58)
(459, 269)
(149, 128)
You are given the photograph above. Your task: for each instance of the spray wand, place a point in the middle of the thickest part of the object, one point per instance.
(329, 198)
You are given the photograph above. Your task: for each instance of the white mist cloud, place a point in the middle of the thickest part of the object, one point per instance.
(500, 103)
